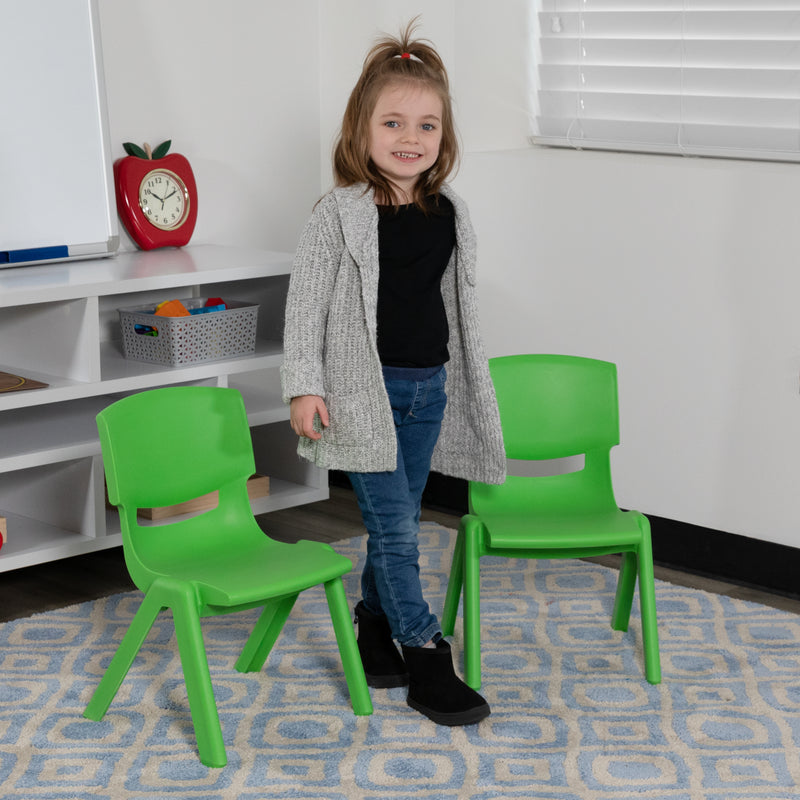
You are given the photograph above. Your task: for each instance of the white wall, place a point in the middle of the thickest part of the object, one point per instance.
(235, 85)
(680, 270)
(489, 77)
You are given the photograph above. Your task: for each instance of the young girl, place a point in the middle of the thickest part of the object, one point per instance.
(381, 297)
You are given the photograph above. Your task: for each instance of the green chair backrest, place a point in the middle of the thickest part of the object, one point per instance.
(553, 407)
(167, 446)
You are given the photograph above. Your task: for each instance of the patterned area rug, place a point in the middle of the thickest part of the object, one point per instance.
(573, 718)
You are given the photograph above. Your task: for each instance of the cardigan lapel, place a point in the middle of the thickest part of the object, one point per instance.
(465, 238)
(359, 219)
(358, 215)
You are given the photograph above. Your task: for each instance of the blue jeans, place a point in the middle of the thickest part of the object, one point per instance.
(390, 506)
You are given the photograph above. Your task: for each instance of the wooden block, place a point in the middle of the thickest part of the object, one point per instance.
(257, 486)
(3, 530)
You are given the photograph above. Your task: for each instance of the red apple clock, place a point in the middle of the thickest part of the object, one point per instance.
(156, 196)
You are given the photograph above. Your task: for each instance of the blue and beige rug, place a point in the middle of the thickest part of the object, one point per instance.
(573, 718)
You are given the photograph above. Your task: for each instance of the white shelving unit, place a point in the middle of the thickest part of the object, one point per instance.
(59, 324)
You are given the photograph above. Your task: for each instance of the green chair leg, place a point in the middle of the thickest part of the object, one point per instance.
(348, 647)
(199, 690)
(626, 583)
(123, 658)
(647, 601)
(472, 605)
(454, 586)
(264, 635)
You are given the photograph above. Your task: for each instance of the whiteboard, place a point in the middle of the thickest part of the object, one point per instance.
(56, 178)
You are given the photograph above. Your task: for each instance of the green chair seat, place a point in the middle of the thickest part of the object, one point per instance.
(588, 530)
(238, 578)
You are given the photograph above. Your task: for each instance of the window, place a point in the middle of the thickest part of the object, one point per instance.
(692, 77)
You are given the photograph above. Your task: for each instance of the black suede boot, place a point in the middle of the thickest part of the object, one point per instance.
(383, 665)
(436, 691)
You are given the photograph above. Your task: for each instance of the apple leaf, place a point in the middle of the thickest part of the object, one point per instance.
(134, 150)
(162, 149)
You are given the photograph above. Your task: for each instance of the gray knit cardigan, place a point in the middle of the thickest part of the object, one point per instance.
(330, 346)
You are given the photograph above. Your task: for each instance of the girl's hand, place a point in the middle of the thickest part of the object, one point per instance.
(302, 411)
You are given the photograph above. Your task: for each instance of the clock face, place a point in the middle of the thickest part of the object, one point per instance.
(164, 199)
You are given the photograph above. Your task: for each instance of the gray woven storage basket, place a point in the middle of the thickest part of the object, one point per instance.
(189, 340)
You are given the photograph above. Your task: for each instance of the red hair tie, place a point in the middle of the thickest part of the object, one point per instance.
(405, 55)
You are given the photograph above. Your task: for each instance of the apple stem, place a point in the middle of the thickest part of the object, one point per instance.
(148, 152)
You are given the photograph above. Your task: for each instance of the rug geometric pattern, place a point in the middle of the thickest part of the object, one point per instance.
(572, 715)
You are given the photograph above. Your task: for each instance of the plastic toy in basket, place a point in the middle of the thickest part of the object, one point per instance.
(171, 308)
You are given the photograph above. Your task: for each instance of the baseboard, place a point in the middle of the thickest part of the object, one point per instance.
(726, 556)
(680, 545)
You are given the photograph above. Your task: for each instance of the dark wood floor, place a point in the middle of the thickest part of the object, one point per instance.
(75, 580)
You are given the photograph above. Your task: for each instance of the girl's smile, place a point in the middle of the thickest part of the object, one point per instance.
(405, 134)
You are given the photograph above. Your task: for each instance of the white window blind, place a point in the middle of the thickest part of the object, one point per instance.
(694, 77)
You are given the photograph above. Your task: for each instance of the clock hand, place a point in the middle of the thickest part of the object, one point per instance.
(162, 199)
(174, 191)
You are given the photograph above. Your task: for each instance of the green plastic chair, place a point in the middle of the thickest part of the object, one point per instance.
(167, 446)
(553, 407)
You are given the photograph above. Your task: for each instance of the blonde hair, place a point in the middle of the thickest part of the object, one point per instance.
(387, 65)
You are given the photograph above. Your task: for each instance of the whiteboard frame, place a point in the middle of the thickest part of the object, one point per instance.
(61, 144)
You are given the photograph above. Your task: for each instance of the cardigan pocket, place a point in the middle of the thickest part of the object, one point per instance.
(351, 421)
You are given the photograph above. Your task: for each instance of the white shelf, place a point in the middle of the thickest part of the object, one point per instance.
(58, 325)
(262, 397)
(30, 437)
(122, 375)
(131, 272)
(34, 542)
(59, 389)
(116, 368)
